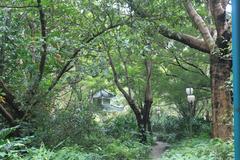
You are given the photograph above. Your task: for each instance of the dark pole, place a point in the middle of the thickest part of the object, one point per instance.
(190, 118)
(236, 71)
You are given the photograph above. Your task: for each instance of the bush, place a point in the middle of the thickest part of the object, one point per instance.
(69, 127)
(172, 128)
(120, 126)
(200, 148)
(115, 150)
(127, 150)
(66, 153)
(14, 146)
(81, 141)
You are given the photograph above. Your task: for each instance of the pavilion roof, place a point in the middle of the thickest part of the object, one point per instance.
(103, 94)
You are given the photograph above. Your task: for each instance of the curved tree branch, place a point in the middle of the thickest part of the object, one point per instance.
(130, 101)
(189, 40)
(201, 25)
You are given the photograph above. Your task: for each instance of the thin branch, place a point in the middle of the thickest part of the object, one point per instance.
(6, 114)
(183, 67)
(66, 67)
(188, 63)
(167, 74)
(30, 6)
(194, 66)
(44, 37)
(63, 70)
(87, 40)
(125, 69)
(171, 75)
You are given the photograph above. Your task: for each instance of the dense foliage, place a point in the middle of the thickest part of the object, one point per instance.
(56, 55)
(96, 146)
(201, 148)
(172, 129)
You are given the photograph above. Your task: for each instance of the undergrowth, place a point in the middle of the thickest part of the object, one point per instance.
(200, 148)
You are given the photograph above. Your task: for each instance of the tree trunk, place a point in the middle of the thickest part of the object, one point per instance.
(148, 100)
(146, 116)
(143, 122)
(144, 127)
(221, 97)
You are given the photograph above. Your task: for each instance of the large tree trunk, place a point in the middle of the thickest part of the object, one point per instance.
(221, 97)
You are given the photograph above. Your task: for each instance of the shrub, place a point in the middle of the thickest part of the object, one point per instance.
(116, 150)
(13, 146)
(66, 153)
(69, 127)
(122, 127)
(172, 128)
(79, 141)
(128, 150)
(200, 148)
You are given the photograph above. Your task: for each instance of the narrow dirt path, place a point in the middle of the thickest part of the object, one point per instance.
(158, 149)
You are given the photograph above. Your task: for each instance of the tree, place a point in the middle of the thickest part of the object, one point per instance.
(214, 27)
(142, 108)
(48, 38)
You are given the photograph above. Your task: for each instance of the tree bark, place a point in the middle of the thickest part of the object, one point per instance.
(10, 100)
(186, 39)
(148, 96)
(221, 98)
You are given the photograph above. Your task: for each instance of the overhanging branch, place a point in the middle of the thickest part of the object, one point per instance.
(189, 40)
(7, 6)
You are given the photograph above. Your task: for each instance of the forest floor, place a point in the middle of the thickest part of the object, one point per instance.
(158, 149)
